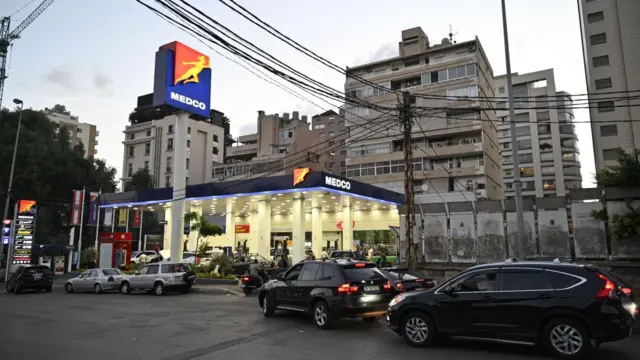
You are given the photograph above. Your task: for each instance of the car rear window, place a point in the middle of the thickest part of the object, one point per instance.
(110, 272)
(342, 254)
(174, 268)
(35, 269)
(361, 274)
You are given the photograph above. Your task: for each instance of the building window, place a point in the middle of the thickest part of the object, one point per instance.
(369, 149)
(524, 144)
(523, 130)
(132, 136)
(599, 61)
(318, 127)
(167, 181)
(331, 164)
(286, 134)
(543, 116)
(342, 163)
(130, 151)
(331, 133)
(603, 83)
(189, 130)
(598, 39)
(539, 84)
(129, 170)
(187, 164)
(527, 172)
(169, 144)
(501, 90)
(186, 180)
(610, 154)
(608, 130)
(148, 132)
(170, 129)
(146, 165)
(215, 150)
(169, 163)
(606, 106)
(215, 138)
(147, 148)
(188, 143)
(595, 17)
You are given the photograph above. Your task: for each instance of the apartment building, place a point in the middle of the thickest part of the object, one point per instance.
(546, 137)
(149, 144)
(79, 132)
(281, 144)
(611, 49)
(331, 129)
(455, 135)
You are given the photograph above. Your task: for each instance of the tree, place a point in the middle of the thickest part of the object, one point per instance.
(141, 180)
(48, 169)
(200, 224)
(58, 109)
(625, 174)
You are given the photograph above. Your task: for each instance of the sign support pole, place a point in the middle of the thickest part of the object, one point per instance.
(140, 230)
(11, 242)
(179, 186)
(95, 244)
(81, 224)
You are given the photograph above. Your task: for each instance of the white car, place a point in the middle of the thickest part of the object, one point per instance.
(137, 255)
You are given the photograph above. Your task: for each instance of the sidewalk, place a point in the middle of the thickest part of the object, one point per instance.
(234, 290)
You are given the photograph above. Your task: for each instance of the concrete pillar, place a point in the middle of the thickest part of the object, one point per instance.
(230, 225)
(316, 231)
(298, 226)
(179, 185)
(254, 231)
(193, 235)
(347, 229)
(167, 227)
(264, 231)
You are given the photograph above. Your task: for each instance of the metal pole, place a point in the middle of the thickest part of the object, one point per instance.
(114, 211)
(126, 222)
(11, 242)
(514, 140)
(13, 166)
(179, 186)
(95, 243)
(409, 199)
(81, 223)
(140, 230)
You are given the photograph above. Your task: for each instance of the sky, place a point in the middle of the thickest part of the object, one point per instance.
(96, 57)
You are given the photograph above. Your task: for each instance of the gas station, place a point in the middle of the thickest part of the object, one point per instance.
(307, 209)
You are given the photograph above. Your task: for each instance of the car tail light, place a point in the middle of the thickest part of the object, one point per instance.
(387, 286)
(419, 280)
(626, 291)
(245, 278)
(347, 289)
(360, 265)
(400, 286)
(608, 290)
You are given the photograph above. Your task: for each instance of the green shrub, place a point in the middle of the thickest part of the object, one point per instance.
(225, 263)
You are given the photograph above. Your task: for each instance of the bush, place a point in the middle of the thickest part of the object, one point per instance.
(225, 263)
(88, 256)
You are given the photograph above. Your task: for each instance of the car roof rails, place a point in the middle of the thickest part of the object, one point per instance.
(511, 260)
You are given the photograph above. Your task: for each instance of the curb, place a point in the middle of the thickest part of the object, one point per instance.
(201, 281)
(215, 290)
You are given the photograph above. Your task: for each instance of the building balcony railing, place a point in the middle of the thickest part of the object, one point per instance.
(242, 149)
(247, 169)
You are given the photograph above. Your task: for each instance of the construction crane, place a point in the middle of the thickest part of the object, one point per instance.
(7, 36)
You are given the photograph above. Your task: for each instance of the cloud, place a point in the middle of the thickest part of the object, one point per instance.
(62, 77)
(247, 129)
(386, 51)
(101, 81)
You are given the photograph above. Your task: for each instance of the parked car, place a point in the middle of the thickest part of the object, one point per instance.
(160, 278)
(241, 265)
(137, 255)
(402, 280)
(35, 277)
(96, 280)
(328, 290)
(561, 306)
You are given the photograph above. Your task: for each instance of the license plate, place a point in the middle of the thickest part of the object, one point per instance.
(243, 285)
(37, 276)
(371, 288)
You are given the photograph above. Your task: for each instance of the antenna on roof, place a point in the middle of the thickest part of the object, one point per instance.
(452, 35)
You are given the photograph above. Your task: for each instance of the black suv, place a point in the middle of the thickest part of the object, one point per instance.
(562, 306)
(35, 277)
(328, 290)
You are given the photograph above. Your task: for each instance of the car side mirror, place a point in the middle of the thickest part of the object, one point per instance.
(280, 277)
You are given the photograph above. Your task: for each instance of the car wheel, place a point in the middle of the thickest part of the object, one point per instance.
(68, 288)
(247, 291)
(8, 287)
(125, 288)
(158, 288)
(268, 306)
(566, 338)
(371, 319)
(97, 289)
(418, 329)
(16, 288)
(321, 315)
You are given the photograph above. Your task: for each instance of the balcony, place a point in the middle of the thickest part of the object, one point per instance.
(246, 149)
(246, 169)
(248, 138)
(449, 148)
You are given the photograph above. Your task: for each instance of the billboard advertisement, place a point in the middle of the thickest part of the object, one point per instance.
(6, 231)
(94, 198)
(25, 230)
(76, 212)
(182, 79)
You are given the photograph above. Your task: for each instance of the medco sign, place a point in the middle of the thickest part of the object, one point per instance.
(341, 184)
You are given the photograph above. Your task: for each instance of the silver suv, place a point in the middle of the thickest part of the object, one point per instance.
(159, 278)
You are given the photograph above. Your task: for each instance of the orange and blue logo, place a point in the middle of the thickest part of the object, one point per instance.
(183, 79)
(299, 175)
(26, 207)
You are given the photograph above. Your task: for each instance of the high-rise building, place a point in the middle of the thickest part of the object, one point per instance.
(281, 144)
(454, 135)
(546, 137)
(78, 132)
(611, 49)
(331, 129)
(149, 144)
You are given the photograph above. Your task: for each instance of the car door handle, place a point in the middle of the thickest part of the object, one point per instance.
(545, 296)
(487, 298)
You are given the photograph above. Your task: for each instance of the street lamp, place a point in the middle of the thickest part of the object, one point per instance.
(13, 164)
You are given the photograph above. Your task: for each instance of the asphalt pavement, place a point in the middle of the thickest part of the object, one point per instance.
(202, 326)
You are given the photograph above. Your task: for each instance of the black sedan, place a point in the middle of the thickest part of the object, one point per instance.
(241, 264)
(34, 277)
(403, 280)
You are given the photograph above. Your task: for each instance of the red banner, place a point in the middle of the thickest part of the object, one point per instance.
(340, 225)
(242, 229)
(76, 212)
(136, 218)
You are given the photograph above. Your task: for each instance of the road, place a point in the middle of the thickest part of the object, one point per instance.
(206, 327)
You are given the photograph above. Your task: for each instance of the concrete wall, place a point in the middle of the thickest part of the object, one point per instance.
(555, 227)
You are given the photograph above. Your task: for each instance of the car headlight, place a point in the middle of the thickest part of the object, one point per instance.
(397, 299)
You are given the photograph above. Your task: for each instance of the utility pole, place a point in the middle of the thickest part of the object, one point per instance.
(406, 122)
(514, 141)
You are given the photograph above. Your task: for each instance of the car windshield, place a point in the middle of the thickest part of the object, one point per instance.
(363, 274)
(109, 272)
(342, 254)
(399, 275)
